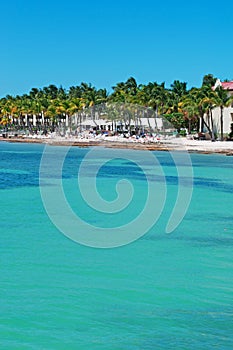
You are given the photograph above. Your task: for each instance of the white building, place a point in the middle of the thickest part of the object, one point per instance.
(122, 118)
(227, 112)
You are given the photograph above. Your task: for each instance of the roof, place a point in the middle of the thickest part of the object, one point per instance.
(227, 85)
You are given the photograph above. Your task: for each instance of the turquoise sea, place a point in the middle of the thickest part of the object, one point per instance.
(163, 291)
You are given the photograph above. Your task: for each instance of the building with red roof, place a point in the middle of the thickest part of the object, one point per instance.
(227, 85)
(216, 112)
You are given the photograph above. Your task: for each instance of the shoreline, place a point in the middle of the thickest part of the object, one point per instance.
(191, 146)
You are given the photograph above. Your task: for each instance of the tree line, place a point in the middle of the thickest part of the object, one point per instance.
(183, 107)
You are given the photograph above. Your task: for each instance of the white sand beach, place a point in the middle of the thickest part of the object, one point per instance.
(203, 146)
(147, 143)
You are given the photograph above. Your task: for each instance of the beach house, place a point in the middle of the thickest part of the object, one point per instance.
(227, 111)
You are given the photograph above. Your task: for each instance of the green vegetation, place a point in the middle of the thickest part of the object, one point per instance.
(184, 108)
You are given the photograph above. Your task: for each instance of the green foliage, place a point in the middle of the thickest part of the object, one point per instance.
(182, 133)
(183, 108)
(179, 88)
(208, 80)
(177, 120)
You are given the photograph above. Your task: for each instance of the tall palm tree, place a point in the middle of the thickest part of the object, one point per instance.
(93, 97)
(179, 88)
(5, 112)
(125, 91)
(202, 101)
(75, 92)
(51, 92)
(190, 111)
(9, 110)
(75, 106)
(201, 96)
(211, 103)
(208, 80)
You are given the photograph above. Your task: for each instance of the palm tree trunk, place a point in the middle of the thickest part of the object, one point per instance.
(80, 122)
(221, 122)
(156, 116)
(207, 127)
(148, 121)
(212, 125)
(189, 125)
(202, 122)
(129, 120)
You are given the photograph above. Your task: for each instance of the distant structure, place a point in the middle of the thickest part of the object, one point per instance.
(120, 118)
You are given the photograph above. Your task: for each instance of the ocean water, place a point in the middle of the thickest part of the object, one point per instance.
(163, 291)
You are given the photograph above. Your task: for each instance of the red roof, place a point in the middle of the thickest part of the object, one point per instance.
(227, 85)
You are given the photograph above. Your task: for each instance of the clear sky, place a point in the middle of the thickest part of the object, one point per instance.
(65, 42)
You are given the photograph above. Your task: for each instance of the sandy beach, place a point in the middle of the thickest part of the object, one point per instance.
(178, 144)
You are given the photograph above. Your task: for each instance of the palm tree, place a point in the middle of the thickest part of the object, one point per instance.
(75, 92)
(51, 113)
(179, 88)
(9, 110)
(190, 111)
(119, 94)
(208, 80)
(93, 97)
(201, 96)
(75, 106)
(62, 108)
(50, 92)
(125, 91)
(201, 102)
(211, 101)
(5, 112)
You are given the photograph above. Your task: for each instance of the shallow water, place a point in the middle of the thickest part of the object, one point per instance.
(160, 292)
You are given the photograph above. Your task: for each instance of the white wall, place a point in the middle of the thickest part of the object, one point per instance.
(227, 119)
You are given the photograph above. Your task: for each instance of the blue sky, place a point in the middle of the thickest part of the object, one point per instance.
(101, 42)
